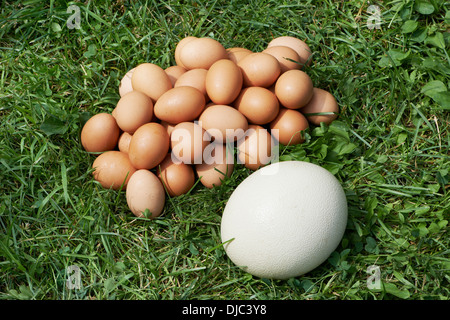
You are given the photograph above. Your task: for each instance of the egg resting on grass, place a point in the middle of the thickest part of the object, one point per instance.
(284, 220)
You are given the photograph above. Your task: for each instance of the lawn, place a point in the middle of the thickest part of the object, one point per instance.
(387, 65)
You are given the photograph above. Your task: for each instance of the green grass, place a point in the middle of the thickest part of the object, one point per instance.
(389, 148)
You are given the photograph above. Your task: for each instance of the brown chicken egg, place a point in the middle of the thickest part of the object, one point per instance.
(188, 141)
(177, 178)
(125, 84)
(237, 53)
(255, 148)
(302, 49)
(223, 81)
(223, 123)
(322, 101)
(201, 53)
(194, 78)
(169, 127)
(259, 105)
(100, 133)
(113, 169)
(218, 163)
(180, 104)
(287, 57)
(287, 127)
(124, 142)
(178, 48)
(174, 72)
(148, 146)
(150, 79)
(133, 110)
(294, 89)
(259, 69)
(145, 194)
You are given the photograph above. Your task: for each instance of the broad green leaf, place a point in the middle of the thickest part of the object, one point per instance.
(437, 40)
(433, 87)
(392, 289)
(409, 26)
(419, 35)
(424, 7)
(56, 27)
(442, 98)
(53, 125)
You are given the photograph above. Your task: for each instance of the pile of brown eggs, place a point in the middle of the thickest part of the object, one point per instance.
(174, 125)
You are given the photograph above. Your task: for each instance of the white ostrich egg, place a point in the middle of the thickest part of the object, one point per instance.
(284, 220)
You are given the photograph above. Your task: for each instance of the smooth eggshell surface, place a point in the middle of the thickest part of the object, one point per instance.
(180, 104)
(125, 84)
(148, 145)
(287, 127)
(236, 54)
(287, 57)
(150, 79)
(218, 164)
(259, 105)
(100, 133)
(223, 123)
(177, 177)
(174, 72)
(299, 46)
(178, 48)
(133, 110)
(294, 89)
(259, 69)
(145, 192)
(255, 148)
(188, 140)
(284, 220)
(321, 101)
(223, 81)
(124, 142)
(201, 53)
(113, 169)
(194, 78)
